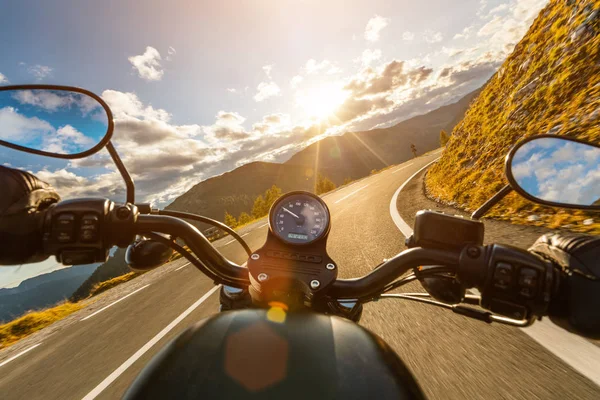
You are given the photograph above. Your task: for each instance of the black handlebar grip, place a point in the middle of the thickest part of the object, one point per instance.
(23, 203)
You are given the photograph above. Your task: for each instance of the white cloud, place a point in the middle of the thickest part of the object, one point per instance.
(369, 56)
(325, 66)
(295, 81)
(374, 27)
(148, 65)
(408, 36)
(170, 53)
(232, 90)
(268, 69)
(52, 101)
(501, 7)
(20, 129)
(38, 71)
(3, 79)
(125, 105)
(432, 36)
(266, 90)
(67, 140)
(465, 34)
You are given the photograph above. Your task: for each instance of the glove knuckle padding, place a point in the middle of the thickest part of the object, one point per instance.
(22, 198)
(577, 306)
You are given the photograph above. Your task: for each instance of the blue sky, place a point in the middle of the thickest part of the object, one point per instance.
(559, 171)
(201, 87)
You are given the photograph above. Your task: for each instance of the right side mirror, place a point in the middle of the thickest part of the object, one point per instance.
(556, 171)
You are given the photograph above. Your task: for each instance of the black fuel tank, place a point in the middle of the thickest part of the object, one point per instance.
(259, 354)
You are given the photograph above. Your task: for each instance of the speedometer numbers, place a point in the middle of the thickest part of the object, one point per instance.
(299, 218)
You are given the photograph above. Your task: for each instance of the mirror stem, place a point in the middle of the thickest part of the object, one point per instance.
(491, 202)
(123, 171)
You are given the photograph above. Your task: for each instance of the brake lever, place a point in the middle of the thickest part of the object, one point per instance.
(463, 310)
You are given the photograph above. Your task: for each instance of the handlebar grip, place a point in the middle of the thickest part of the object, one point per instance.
(21, 238)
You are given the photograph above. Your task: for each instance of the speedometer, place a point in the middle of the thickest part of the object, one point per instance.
(299, 218)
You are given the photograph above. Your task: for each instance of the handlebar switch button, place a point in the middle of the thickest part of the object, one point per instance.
(64, 228)
(528, 282)
(89, 228)
(503, 275)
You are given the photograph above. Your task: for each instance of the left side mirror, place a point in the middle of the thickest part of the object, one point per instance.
(55, 121)
(556, 171)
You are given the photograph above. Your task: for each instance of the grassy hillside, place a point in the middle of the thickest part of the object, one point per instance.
(550, 84)
(115, 266)
(352, 155)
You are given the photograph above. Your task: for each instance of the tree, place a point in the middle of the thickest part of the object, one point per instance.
(244, 218)
(271, 195)
(259, 208)
(413, 148)
(347, 181)
(323, 185)
(230, 220)
(443, 138)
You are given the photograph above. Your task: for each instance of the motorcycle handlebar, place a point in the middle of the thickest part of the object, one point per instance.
(207, 254)
(371, 284)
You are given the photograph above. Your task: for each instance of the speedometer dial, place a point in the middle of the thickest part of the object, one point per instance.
(299, 218)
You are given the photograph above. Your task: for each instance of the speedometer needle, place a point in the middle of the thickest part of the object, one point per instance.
(288, 211)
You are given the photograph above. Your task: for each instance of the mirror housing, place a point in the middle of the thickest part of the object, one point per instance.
(556, 171)
(69, 122)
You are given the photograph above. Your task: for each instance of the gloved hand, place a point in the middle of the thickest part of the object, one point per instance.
(22, 201)
(576, 306)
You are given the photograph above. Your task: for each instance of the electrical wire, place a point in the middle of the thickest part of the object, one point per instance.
(206, 220)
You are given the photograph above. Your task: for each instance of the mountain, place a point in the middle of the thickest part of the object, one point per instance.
(550, 84)
(352, 155)
(42, 291)
(113, 267)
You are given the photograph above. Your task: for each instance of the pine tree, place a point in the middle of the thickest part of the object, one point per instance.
(259, 208)
(230, 220)
(271, 195)
(244, 218)
(323, 185)
(443, 138)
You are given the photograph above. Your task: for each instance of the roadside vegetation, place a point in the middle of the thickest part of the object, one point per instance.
(550, 84)
(262, 204)
(31, 322)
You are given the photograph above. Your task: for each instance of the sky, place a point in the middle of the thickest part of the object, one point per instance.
(199, 88)
(559, 170)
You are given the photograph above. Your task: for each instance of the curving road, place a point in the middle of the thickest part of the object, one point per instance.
(98, 351)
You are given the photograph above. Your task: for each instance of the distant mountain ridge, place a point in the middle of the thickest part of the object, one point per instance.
(351, 155)
(42, 291)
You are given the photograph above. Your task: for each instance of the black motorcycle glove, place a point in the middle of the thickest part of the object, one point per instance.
(23, 199)
(576, 306)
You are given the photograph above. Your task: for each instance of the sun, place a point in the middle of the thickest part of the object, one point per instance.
(320, 102)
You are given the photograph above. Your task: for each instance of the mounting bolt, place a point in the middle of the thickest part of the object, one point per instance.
(473, 252)
(262, 277)
(314, 284)
(123, 212)
(330, 266)
(255, 256)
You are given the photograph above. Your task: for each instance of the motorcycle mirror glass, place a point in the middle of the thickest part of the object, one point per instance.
(556, 171)
(54, 121)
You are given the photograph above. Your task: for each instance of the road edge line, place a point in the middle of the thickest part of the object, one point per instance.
(19, 355)
(114, 302)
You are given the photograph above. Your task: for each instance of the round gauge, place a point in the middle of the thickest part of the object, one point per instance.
(299, 218)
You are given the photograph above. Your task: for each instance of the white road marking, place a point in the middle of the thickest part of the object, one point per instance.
(20, 354)
(115, 302)
(348, 195)
(184, 265)
(401, 168)
(117, 372)
(578, 353)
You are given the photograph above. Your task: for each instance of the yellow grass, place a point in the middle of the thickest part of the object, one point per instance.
(34, 321)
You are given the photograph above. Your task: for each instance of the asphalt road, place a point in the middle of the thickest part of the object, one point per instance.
(452, 357)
